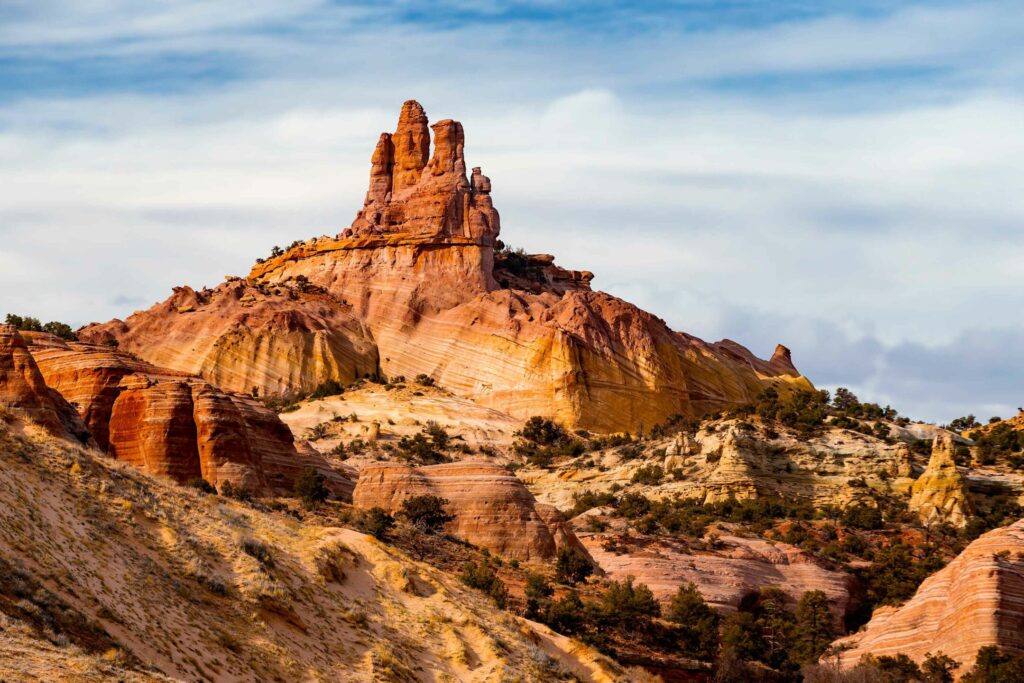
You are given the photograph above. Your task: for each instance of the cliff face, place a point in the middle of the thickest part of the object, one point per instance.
(940, 493)
(492, 508)
(975, 601)
(24, 392)
(173, 424)
(415, 286)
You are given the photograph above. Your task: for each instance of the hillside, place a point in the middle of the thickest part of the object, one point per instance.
(107, 571)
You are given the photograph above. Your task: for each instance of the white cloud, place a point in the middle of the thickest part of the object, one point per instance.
(859, 234)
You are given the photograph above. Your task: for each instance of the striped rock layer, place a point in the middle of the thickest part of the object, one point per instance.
(491, 507)
(414, 286)
(24, 393)
(975, 601)
(172, 424)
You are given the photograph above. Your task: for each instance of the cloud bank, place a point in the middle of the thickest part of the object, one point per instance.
(843, 179)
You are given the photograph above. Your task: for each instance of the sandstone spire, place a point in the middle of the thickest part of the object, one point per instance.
(411, 145)
(420, 199)
(940, 493)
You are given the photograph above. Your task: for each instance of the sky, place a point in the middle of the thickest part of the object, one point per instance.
(841, 176)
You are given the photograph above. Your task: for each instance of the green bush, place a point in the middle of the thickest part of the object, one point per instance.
(484, 577)
(697, 623)
(572, 566)
(200, 485)
(426, 513)
(377, 522)
(311, 488)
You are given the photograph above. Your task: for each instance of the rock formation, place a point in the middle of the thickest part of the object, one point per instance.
(730, 458)
(24, 392)
(975, 601)
(417, 274)
(172, 424)
(492, 508)
(278, 339)
(940, 493)
(726, 577)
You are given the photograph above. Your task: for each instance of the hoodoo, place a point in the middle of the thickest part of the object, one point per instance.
(420, 284)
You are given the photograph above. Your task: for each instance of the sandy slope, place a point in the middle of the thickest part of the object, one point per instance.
(165, 573)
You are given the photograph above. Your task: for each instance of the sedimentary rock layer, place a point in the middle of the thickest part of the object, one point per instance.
(172, 424)
(417, 268)
(726, 577)
(975, 601)
(24, 392)
(491, 506)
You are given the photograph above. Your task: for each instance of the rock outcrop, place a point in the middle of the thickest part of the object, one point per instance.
(940, 494)
(172, 424)
(491, 507)
(417, 270)
(975, 601)
(24, 392)
(726, 577)
(730, 458)
(276, 340)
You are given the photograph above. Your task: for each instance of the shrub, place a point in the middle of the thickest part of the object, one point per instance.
(627, 604)
(378, 523)
(863, 517)
(697, 623)
(649, 475)
(239, 493)
(572, 566)
(567, 614)
(311, 488)
(538, 593)
(424, 380)
(201, 485)
(483, 576)
(258, 551)
(426, 513)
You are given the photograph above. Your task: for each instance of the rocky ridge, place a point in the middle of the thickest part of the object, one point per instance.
(416, 274)
(172, 424)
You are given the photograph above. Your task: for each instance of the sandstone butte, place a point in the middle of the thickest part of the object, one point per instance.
(975, 601)
(940, 494)
(169, 423)
(416, 285)
(491, 507)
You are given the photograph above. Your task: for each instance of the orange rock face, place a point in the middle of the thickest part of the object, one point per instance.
(23, 390)
(414, 286)
(975, 601)
(491, 506)
(173, 424)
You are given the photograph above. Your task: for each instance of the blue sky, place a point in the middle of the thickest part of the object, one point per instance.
(842, 177)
